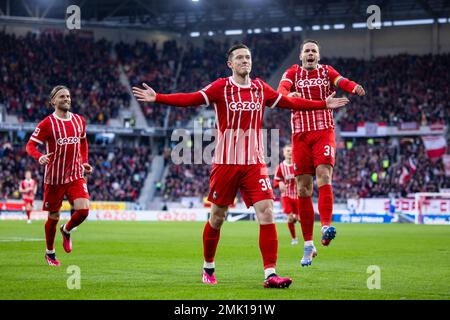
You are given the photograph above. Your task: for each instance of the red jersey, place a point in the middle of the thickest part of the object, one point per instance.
(285, 173)
(239, 117)
(313, 85)
(28, 184)
(62, 137)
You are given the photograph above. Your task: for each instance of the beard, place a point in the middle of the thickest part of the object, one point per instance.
(64, 107)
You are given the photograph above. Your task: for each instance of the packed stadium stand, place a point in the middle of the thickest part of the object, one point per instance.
(84, 65)
(119, 172)
(92, 68)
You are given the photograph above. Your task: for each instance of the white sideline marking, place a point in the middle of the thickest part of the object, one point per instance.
(20, 239)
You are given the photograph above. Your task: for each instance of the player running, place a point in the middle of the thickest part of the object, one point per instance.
(64, 135)
(238, 161)
(313, 139)
(28, 189)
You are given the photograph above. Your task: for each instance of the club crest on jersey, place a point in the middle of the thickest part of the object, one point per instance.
(215, 195)
(257, 94)
(244, 106)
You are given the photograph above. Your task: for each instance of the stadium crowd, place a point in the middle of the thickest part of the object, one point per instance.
(381, 167)
(119, 172)
(84, 65)
(364, 167)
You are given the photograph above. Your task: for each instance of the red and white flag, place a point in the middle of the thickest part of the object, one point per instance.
(435, 146)
(404, 176)
(412, 165)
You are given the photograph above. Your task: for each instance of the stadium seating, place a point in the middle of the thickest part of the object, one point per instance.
(119, 172)
(84, 65)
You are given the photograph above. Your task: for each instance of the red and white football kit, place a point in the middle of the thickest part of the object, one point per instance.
(28, 197)
(285, 174)
(66, 140)
(238, 162)
(313, 139)
(239, 154)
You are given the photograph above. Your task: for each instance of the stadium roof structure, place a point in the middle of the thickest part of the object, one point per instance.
(185, 16)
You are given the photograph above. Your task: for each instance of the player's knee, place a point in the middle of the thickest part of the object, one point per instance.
(323, 175)
(54, 215)
(217, 221)
(217, 218)
(266, 215)
(324, 178)
(304, 191)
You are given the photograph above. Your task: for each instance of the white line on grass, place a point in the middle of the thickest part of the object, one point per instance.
(20, 239)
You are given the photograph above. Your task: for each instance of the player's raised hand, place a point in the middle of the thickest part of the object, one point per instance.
(359, 90)
(88, 169)
(45, 159)
(334, 103)
(144, 95)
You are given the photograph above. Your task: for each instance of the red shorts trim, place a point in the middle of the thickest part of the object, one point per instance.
(310, 149)
(54, 194)
(251, 180)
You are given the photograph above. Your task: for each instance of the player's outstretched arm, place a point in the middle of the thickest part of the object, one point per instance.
(145, 95)
(296, 103)
(174, 99)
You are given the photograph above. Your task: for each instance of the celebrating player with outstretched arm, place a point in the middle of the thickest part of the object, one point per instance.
(64, 135)
(239, 104)
(313, 140)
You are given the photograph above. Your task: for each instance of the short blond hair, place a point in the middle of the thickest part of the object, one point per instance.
(55, 90)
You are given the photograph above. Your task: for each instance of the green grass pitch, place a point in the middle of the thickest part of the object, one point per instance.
(163, 260)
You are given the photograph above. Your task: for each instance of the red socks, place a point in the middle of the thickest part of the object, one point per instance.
(28, 214)
(77, 218)
(210, 240)
(326, 204)
(306, 217)
(268, 244)
(50, 231)
(291, 226)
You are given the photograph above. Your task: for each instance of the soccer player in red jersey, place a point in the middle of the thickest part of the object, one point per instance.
(313, 138)
(285, 180)
(238, 162)
(63, 134)
(28, 189)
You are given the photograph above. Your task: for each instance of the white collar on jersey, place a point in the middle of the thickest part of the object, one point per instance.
(240, 85)
(70, 117)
